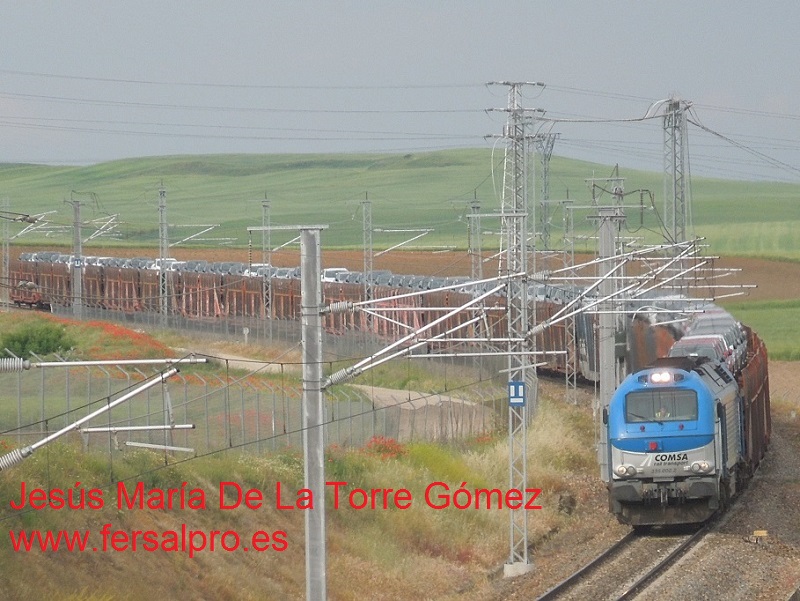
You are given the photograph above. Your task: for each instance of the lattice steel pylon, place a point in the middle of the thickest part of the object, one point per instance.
(515, 230)
(475, 242)
(677, 193)
(544, 146)
(571, 325)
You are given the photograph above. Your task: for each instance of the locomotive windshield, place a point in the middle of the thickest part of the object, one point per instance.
(666, 404)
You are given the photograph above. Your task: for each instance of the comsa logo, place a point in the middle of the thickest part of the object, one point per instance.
(672, 457)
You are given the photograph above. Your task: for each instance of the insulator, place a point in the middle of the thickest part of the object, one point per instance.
(340, 307)
(14, 457)
(337, 377)
(341, 376)
(8, 365)
(539, 328)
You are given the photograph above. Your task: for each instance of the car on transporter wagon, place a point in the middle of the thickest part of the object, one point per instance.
(712, 346)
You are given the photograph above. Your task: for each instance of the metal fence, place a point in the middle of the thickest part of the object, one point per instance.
(247, 413)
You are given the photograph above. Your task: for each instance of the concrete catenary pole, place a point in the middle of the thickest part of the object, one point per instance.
(163, 249)
(266, 258)
(313, 409)
(77, 262)
(6, 275)
(609, 221)
(369, 252)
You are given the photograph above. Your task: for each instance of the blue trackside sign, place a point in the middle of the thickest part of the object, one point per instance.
(516, 394)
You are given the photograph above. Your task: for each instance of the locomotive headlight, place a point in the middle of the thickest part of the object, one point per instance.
(660, 377)
(625, 471)
(701, 467)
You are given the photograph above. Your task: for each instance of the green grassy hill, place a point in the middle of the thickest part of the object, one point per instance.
(412, 191)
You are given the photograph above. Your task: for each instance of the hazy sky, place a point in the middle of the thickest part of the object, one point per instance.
(85, 82)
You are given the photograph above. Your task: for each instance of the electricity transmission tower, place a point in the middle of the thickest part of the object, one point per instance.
(677, 194)
(475, 242)
(544, 146)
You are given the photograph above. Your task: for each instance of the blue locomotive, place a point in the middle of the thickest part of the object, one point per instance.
(684, 436)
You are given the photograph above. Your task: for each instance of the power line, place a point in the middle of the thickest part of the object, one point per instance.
(184, 107)
(355, 135)
(751, 112)
(636, 98)
(32, 122)
(765, 157)
(445, 86)
(238, 85)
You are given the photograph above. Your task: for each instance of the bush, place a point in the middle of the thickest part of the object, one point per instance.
(41, 338)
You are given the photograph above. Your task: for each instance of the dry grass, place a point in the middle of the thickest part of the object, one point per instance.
(377, 554)
(413, 553)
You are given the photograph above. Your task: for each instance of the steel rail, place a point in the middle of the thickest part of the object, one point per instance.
(662, 565)
(559, 588)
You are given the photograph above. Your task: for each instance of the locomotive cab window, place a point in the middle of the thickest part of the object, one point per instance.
(661, 405)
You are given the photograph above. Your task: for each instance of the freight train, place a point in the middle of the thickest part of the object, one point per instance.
(686, 433)
(202, 291)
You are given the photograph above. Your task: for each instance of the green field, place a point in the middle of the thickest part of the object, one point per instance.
(413, 191)
(777, 322)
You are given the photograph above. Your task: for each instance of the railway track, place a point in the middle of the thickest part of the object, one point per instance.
(626, 568)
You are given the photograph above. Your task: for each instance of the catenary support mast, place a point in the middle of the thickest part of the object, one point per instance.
(609, 221)
(313, 409)
(313, 404)
(163, 249)
(76, 265)
(521, 375)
